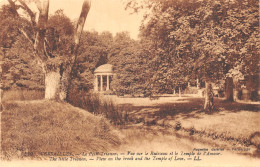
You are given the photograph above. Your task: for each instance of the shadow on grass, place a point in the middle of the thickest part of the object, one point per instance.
(171, 115)
(235, 106)
(186, 108)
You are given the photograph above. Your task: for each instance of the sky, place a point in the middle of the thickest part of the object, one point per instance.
(104, 15)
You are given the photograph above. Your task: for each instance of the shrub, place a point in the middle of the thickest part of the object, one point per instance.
(94, 103)
(10, 95)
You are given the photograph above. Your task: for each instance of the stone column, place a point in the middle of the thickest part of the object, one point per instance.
(101, 83)
(96, 83)
(107, 83)
(198, 84)
(179, 91)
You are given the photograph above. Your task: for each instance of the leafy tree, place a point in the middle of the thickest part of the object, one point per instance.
(54, 44)
(170, 56)
(121, 40)
(125, 54)
(19, 69)
(93, 52)
(242, 36)
(9, 26)
(203, 39)
(132, 74)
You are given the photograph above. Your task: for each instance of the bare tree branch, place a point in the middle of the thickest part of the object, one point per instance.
(47, 47)
(41, 4)
(82, 18)
(29, 11)
(38, 58)
(26, 35)
(13, 7)
(41, 27)
(83, 15)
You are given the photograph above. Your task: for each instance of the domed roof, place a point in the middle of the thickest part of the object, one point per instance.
(105, 68)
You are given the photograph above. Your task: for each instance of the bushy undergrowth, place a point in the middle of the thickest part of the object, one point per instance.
(10, 95)
(46, 126)
(96, 104)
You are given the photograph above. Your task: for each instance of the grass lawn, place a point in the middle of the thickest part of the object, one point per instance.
(45, 126)
(236, 123)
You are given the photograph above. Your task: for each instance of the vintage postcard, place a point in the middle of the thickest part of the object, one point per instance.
(129, 83)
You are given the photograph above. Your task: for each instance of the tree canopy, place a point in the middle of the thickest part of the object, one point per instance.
(202, 38)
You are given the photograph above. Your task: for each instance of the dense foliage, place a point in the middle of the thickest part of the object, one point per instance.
(205, 39)
(19, 69)
(180, 41)
(131, 69)
(93, 52)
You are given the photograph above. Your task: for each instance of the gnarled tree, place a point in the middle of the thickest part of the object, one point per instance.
(57, 66)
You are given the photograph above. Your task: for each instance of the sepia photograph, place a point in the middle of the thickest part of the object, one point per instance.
(129, 83)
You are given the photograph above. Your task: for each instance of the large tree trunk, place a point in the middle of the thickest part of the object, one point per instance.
(57, 80)
(52, 85)
(229, 89)
(209, 97)
(235, 95)
(56, 84)
(179, 91)
(198, 88)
